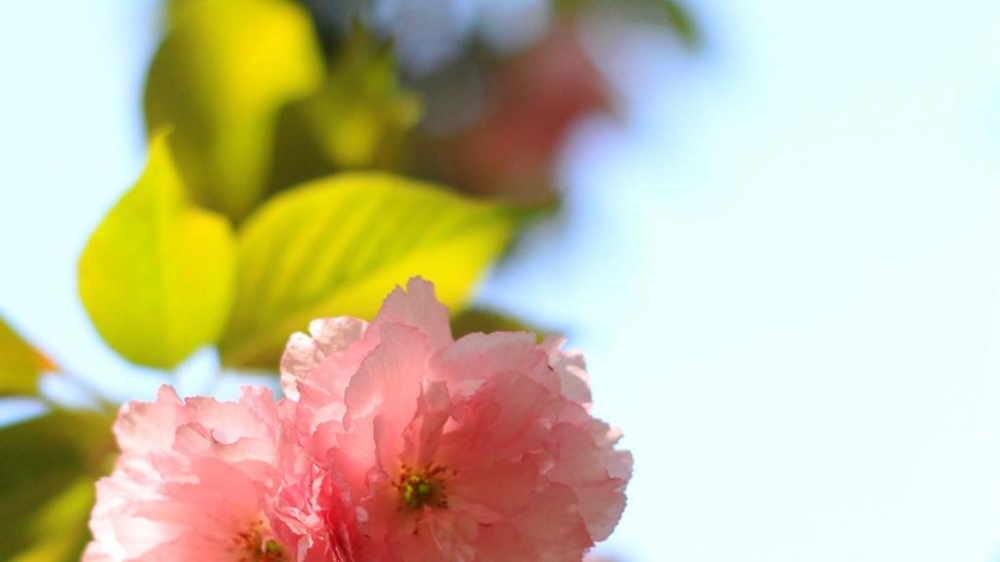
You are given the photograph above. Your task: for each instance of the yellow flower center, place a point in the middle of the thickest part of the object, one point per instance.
(272, 553)
(250, 546)
(419, 488)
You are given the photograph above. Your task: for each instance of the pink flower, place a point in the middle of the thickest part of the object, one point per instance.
(396, 443)
(210, 481)
(477, 449)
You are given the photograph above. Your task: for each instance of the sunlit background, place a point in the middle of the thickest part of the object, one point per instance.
(780, 256)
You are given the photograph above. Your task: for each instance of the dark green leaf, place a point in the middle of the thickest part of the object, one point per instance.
(47, 480)
(681, 22)
(474, 319)
(669, 12)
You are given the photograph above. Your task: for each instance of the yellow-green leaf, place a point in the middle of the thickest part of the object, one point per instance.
(157, 276)
(47, 483)
(20, 364)
(219, 79)
(338, 246)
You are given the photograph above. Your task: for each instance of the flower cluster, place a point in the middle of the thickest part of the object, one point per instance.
(394, 443)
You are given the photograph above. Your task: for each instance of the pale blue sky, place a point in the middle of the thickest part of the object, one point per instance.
(781, 260)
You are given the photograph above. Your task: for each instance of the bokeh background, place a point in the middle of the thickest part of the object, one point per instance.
(780, 254)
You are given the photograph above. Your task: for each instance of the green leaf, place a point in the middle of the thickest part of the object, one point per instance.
(680, 21)
(177, 10)
(47, 483)
(474, 319)
(338, 246)
(669, 12)
(58, 531)
(157, 275)
(219, 79)
(362, 109)
(358, 119)
(20, 364)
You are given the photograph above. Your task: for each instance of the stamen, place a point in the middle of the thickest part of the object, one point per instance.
(273, 552)
(250, 546)
(420, 488)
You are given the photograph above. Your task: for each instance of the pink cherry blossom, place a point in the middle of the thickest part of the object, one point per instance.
(215, 482)
(396, 443)
(478, 449)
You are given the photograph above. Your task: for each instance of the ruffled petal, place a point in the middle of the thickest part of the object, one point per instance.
(416, 307)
